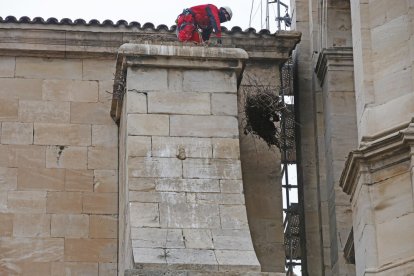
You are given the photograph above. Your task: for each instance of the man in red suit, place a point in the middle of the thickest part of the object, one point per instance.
(197, 23)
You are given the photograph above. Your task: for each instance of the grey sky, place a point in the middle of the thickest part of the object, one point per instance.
(155, 11)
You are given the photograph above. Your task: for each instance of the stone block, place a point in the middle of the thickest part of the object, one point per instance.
(141, 184)
(192, 259)
(157, 197)
(48, 68)
(149, 256)
(100, 203)
(149, 237)
(105, 181)
(175, 238)
(212, 168)
(198, 238)
(147, 79)
(44, 111)
(136, 102)
(6, 226)
(98, 69)
(237, 260)
(31, 250)
(209, 81)
(189, 215)
(90, 113)
(25, 156)
(187, 185)
(41, 179)
(3, 202)
(108, 269)
(203, 126)
(62, 134)
(148, 124)
(8, 179)
(224, 199)
(9, 109)
(105, 91)
(17, 133)
(179, 103)
(66, 157)
(105, 227)
(7, 65)
(69, 226)
(64, 203)
(226, 148)
(154, 167)
(231, 186)
(223, 104)
(4, 155)
(103, 158)
(139, 146)
(79, 180)
(229, 239)
(144, 214)
(25, 89)
(74, 268)
(233, 217)
(181, 146)
(26, 201)
(25, 268)
(31, 225)
(105, 135)
(70, 91)
(90, 250)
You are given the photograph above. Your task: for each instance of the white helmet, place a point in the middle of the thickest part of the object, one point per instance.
(228, 10)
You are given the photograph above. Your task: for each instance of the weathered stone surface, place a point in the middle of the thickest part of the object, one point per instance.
(70, 90)
(103, 158)
(183, 215)
(31, 225)
(179, 103)
(209, 81)
(6, 226)
(103, 227)
(144, 214)
(9, 109)
(203, 126)
(31, 250)
(90, 250)
(64, 203)
(8, 179)
(105, 181)
(154, 167)
(105, 135)
(147, 79)
(223, 104)
(237, 260)
(188, 147)
(16, 133)
(41, 179)
(26, 201)
(69, 225)
(100, 203)
(231, 186)
(212, 168)
(107, 269)
(198, 259)
(149, 256)
(44, 111)
(98, 69)
(25, 89)
(7, 65)
(139, 146)
(233, 217)
(25, 156)
(66, 157)
(157, 197)
(90, 113)
(141, 184)
(79, 180)
(226, 148)
(62, 134)
(74, 268)
(187, 185)
(31, 67)
(149, 237)
(148, 124)
(198, 239)
(136, 102)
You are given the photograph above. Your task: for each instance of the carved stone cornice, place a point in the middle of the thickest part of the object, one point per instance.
(337, 56)
(381, 149)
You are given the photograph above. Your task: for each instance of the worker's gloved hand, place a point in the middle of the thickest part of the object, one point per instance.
(219, 42)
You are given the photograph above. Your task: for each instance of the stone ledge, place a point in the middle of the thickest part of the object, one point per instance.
(338, 56)
(144, 272)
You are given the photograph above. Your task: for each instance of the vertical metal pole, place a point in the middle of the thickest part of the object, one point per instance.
(267, 15)
(278, 15)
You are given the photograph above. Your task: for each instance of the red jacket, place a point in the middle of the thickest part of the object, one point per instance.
(207, 16)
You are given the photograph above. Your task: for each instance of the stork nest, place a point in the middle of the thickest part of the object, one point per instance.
(263, 111)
